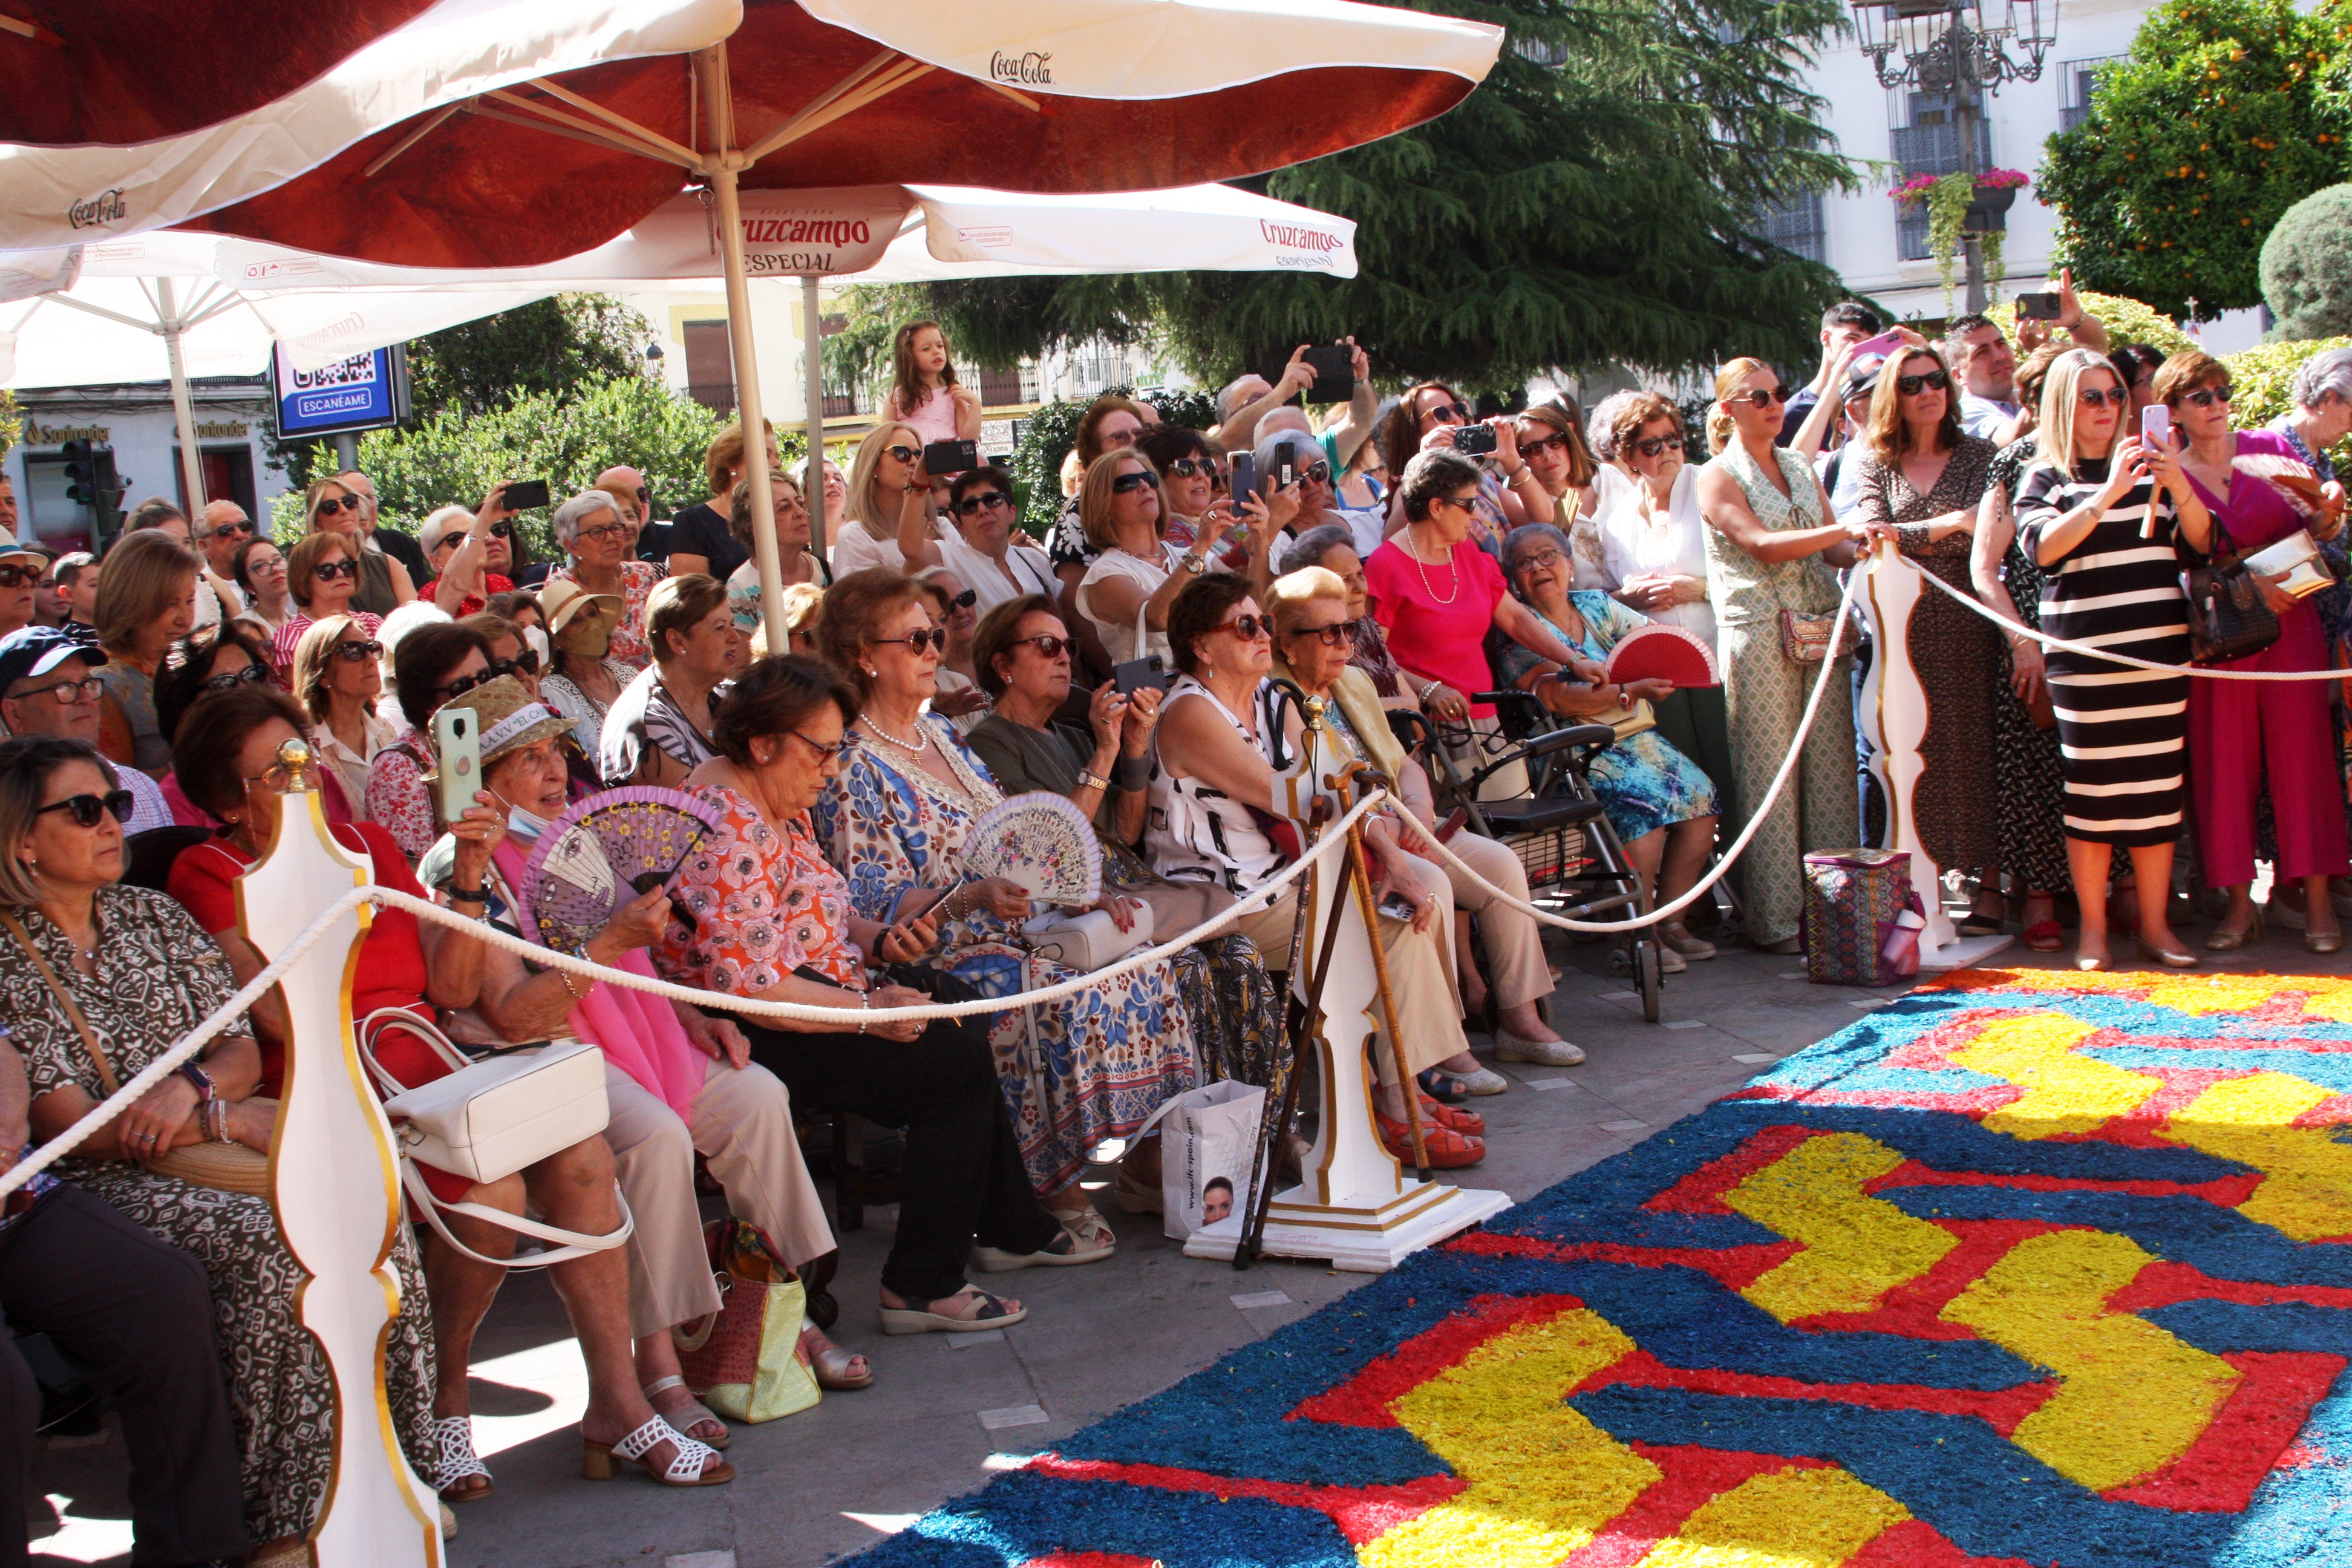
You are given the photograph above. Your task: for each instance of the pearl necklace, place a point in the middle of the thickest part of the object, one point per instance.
(917, 747)
(1454, 577)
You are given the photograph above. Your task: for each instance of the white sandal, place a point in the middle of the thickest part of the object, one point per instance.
(693, 1413)
(687, 1466)
(454, 1437)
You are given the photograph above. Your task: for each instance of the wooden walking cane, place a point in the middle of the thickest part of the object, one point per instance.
(1367, 778)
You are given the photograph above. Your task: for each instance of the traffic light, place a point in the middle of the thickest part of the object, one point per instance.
(91, 481)
(81, 474)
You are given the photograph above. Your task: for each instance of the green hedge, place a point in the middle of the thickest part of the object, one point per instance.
(1048, 436)
(2261, 379)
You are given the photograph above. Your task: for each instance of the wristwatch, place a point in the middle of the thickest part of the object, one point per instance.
(205, 1087)
(1090, 780)
(1194, 562)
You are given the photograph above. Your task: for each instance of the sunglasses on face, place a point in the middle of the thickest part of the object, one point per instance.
(1651, 446)
(14, 577)
(1129, 482)
(1051, 647)
(981, 502)
(1464, 502)
(965, 600)
(230, 680)
(1932, 381)
(358, 652)
(524, 663)
(86, 689)
(1553, 443)
(1339, 634)
(334, 504)
(1249, 628)
(87, 809)
(328, 570)
(825, 751)
(2207, 397)
(1762, 398)
(1319, 474)
(239, 527)
(1195, 468)
(904, 454)
(2100, 397)
(1460, 411)
(501, 529)
(932, 636)
(465, 683)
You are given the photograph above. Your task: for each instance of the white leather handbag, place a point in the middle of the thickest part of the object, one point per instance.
(486, 1120)
(1088, 941)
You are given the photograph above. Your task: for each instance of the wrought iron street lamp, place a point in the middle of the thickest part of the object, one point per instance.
(1961, 50)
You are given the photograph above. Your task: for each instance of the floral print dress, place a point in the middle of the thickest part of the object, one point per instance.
(629, 644)
(1075, 1072)
(762, 903)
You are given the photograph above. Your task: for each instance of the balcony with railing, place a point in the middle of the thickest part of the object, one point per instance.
(2076, 81)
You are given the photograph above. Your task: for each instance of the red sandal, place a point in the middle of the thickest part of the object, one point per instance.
(1467, 1123)
(1448, 1149)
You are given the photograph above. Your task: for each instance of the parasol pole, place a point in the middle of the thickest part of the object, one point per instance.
(192, 462)
(726, 162)
(813, 371)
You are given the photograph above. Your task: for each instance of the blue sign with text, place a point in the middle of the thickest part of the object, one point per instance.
(361, 393)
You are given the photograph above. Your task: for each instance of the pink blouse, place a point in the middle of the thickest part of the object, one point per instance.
(1437, 618)
(764, 904)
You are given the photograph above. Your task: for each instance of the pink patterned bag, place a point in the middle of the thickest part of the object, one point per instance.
(1862, 917)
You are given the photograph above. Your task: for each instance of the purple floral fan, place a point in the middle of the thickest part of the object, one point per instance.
(604, 851)
(1042, 841)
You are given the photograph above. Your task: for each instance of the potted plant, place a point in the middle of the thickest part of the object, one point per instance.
(1958, 206)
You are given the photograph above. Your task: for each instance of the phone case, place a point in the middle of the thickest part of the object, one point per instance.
(459, 743)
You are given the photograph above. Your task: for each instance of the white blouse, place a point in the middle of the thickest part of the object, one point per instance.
(1631, 544)
(1119, 637)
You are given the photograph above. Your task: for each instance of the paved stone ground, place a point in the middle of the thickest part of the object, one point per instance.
(825, 1482)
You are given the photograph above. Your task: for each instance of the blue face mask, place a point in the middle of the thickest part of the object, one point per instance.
(525, 825)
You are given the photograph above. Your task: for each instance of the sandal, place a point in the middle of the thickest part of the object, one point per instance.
(1088, 1226)
(1448, 1149)
(1464, 1121)
(1444, 1087)
(691, 1464)
(1134, 1196)
(454, 1437)
(837, 1369)
(988, 1312)
(2045, 936)
(689, 1415)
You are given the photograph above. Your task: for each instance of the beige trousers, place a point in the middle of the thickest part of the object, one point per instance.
(741, 1121)
(1421, 976)
(1516, 965)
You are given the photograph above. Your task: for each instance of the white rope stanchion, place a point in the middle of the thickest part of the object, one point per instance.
(2199, 670)
(252, 991)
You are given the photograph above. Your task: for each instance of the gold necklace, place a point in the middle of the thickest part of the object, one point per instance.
(1454, 577)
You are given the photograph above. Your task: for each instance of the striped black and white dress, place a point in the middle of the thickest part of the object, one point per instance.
(2121, 732)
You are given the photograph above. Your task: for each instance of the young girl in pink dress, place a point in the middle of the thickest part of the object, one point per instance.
(924, 391)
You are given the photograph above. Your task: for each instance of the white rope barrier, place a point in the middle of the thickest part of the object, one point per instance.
(2089, 651)
(1334, 837)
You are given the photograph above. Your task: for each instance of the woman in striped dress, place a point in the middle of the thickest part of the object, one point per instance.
(2098, 512)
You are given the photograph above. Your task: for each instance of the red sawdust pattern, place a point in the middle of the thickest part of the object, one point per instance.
(1363, 1514)
(2246, 1437)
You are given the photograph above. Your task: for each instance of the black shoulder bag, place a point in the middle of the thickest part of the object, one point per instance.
(2228, 617)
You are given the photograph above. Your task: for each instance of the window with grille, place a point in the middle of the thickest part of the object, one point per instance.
(1796, 222)
(2077, 79)
(1927, 141)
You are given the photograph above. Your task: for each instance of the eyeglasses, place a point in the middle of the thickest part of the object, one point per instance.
(1763, 399)
(274, 778)
(602, 531)
(251, 675)
(2096, 397)
(965, 600)
(255, 566)
(934, 637)
(904, 454)
(1129, 481)
(1534, 559)
(1461, 412)
(86, 689)
(14, 577)
(328, 570)
(1320, 474)
(1651, 446)
(358, 652)
(1933, 380)
(1249, 628)
(981, 502)
(1553, 443)
(1465, 502)
(88, 808)
(334, 504)
(1049, 645)
(241, 525)
(1339, 634)
(825, 751)
(2206, 396)
(501, 529)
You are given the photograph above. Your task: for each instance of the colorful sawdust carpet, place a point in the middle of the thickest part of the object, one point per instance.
(2032, 1268)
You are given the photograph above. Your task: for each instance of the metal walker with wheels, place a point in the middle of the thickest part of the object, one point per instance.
(1559, 830)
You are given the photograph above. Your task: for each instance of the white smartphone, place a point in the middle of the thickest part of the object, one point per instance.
(459, 743)
(2155, 426)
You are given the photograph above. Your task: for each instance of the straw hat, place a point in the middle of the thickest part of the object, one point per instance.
(563, 602)
(508, 718)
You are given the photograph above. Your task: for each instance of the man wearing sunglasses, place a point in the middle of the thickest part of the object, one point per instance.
(400, 547)
(46, 687)
(221, 529)
(470, 554)
(21, 568)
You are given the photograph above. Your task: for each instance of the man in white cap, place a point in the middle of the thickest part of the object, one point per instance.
(46, 687)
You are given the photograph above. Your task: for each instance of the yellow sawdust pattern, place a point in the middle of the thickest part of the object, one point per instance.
(2063, 1092)
(1788, 1518)
(2134, 1397)
(1857, 1247)
(2306, 1191)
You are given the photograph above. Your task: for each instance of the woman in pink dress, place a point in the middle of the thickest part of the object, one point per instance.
(2248, 735)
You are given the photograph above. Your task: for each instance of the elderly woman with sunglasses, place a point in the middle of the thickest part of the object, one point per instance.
(139, 972)
(472, 551)
(322, 571)
(1137, 573)
(2247, 738)
(1771, 540)
(338, 676)
(382, 584)
(430, 665)
(1075, 1072)
(1190, 476)
(589, 529)
(983, 549)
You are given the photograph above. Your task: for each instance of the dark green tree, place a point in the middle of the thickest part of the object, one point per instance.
(1594, 201)
(549, 346)
(2194, 143)
(2307, 266)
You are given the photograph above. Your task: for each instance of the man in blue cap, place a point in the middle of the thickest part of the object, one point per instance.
(46, 689)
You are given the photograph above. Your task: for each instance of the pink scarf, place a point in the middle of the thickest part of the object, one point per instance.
(637, 1031)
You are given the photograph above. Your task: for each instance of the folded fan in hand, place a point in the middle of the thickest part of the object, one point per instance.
(602, 852)
(1042, 841)
(1660, 652)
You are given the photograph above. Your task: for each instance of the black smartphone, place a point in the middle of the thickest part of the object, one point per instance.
(1137, 673)
(951, 457)
(1473, 441)
(2037, 306)
(1244, 479)
(1334, 374)
(521, 495)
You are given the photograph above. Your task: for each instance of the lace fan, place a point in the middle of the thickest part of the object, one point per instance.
(1042, 841)
(604, 851)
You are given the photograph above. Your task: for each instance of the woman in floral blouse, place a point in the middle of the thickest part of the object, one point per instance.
(589, 528)
(760, 915)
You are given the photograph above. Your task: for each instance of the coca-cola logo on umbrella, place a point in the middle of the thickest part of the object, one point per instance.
(106, 207)
(1029, 69)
